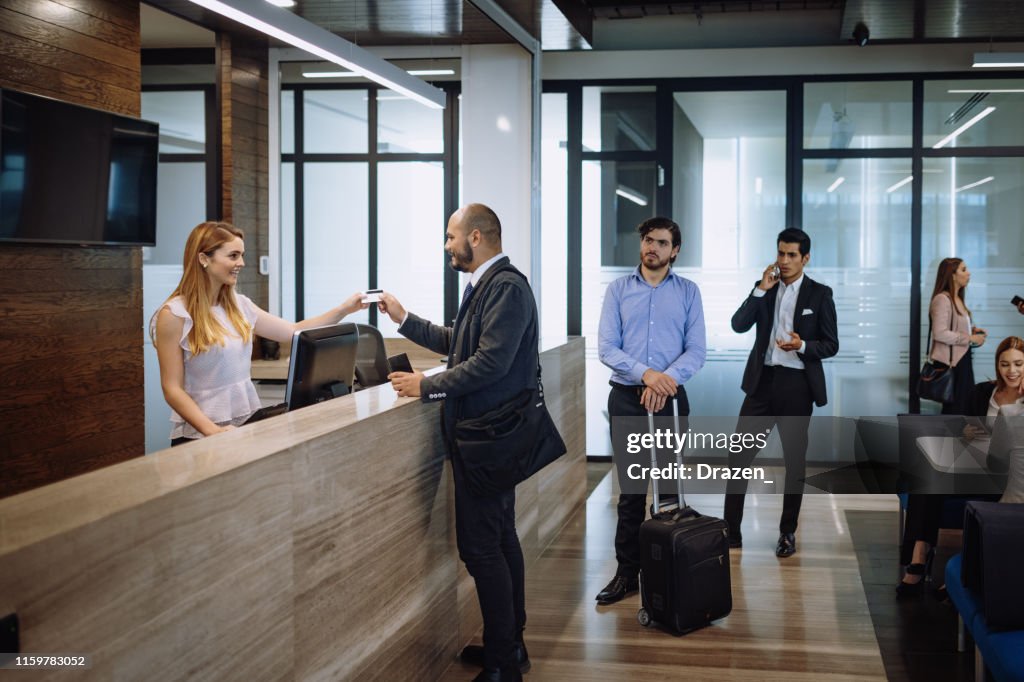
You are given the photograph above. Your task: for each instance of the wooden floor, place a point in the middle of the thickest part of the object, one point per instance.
(802, 618)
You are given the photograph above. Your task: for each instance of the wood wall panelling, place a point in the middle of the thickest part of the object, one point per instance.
(70, 317)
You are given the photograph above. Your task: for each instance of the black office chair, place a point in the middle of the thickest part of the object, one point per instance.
(371, 357)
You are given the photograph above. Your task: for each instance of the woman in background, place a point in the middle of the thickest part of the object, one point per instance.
(203, 336)
(953, 336)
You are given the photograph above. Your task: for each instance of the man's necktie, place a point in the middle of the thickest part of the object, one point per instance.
(465, 295)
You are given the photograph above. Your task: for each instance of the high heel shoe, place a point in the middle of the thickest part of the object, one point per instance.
(905, 589)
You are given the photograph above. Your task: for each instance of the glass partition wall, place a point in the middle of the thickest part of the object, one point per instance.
(368, 179)
(873, 168)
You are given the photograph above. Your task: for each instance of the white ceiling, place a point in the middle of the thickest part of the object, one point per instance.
(163, 30)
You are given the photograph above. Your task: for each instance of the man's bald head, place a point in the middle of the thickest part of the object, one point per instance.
(481, 217)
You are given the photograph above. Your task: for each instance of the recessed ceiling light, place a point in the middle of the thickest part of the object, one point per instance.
(974, 184)
(996, 60)
(956, 133)
(899, 184)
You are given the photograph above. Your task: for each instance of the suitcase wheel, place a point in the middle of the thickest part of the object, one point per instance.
(643, 617)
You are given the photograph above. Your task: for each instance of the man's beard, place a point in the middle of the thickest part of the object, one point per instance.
(658, 264)
(461, 258)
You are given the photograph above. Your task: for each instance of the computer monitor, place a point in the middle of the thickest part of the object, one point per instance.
(322, 364)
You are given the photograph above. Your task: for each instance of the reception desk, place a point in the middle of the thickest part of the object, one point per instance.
(317, 544)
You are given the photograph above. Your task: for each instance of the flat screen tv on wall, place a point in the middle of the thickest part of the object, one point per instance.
(75, 175)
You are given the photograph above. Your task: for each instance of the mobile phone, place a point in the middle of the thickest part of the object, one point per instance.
(776, 273)
(1017, 300)
(400, 363)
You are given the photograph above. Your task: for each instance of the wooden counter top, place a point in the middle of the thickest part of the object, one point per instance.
(319, 543)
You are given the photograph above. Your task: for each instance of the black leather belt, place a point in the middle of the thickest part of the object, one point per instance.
(634, 390)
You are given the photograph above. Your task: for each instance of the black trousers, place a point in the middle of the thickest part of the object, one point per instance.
(624, 401)
(781, 392)
(485, 530)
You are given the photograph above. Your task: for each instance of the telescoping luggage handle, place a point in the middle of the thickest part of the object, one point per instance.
(657, 506)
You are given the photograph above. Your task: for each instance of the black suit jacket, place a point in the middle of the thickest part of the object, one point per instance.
(817, 328)
(492, 347)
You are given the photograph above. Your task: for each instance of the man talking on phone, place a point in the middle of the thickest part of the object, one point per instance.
(783, 379)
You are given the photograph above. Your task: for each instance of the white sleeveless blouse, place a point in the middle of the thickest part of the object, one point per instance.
(219, 379)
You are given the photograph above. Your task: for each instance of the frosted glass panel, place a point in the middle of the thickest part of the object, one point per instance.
(335, 121)
(857, 115)
(985, 112)
(182, 120)
(971, 209)
(336, 237)
(411, 220)
(857, 212)
(287, 121)
(553, 252)
(405, 126)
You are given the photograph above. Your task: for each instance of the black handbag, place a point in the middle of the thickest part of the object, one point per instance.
(936, 380)
(504, 447)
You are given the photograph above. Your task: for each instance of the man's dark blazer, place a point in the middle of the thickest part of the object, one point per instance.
(492, 355)
(817, 328)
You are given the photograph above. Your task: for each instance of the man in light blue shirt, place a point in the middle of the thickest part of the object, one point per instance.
(652, 337)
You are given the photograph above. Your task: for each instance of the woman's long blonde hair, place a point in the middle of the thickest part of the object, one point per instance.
(194, 289)
(944, 282)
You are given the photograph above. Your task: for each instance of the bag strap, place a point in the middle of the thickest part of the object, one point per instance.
(474, 302)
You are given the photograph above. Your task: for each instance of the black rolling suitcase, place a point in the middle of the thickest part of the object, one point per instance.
(684, 564)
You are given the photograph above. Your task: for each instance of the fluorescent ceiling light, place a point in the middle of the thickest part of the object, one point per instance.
(431, 72)
(899, 184)
(971, 91)
(632, 195)
(282, 3)
(352, 74)
(832, 188)
(995, 60)
(975, 184)
(305, 35)
(956, 133)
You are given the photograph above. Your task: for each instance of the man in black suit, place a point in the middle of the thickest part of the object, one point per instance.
(492, 358)
(796, 330)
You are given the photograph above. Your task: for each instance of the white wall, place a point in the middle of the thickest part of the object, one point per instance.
(496, 139)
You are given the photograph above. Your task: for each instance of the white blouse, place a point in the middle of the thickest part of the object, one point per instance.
(219, 380)
(994, 407)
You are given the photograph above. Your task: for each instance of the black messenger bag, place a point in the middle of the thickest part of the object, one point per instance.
(507, 445)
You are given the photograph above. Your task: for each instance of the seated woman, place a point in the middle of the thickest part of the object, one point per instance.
(203, 336)
(924, 512)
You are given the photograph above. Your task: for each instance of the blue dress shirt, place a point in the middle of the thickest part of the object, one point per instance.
(644, 327)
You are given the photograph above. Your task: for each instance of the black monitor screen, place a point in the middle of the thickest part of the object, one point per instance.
(322, 364)
(74, 175)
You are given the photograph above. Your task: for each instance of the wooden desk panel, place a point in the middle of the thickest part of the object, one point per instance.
(320, 543)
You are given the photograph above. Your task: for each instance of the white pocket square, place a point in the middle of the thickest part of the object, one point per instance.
(807, 311)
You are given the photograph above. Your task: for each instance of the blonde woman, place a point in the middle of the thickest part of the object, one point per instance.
(203, 336)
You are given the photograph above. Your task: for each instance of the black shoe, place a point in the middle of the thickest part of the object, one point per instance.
(904, 589)
(786, 546)
(474, 655)
(496, 675)
(619, 587)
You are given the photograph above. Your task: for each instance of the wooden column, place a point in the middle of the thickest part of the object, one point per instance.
(70, 317)
(242, 96)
